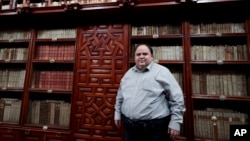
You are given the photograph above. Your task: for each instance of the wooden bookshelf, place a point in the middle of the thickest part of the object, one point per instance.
(213, 60)
(219, 63)
(14, 48)
(52, 76)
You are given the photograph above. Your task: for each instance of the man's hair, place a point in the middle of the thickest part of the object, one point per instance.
(147, 45)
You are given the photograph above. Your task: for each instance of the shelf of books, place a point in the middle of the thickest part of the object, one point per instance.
(226, 114)
(51, 82)
(14, 48)
(166, 41)
(219, 76)
(49, 6)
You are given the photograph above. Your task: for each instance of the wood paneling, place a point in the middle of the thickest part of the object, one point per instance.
(101, 62)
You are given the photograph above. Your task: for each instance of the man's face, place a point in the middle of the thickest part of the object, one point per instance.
(143, 57)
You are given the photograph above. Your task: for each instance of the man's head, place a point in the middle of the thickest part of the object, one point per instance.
(143, 56)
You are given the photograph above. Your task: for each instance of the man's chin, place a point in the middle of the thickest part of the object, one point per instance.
(142, 63)
(141, 66)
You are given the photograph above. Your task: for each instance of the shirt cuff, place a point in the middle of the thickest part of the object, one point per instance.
(117, 116)
(174, 125)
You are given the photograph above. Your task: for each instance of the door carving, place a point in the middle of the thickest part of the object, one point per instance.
(101, 62)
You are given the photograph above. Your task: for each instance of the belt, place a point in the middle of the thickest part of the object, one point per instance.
(147, 120)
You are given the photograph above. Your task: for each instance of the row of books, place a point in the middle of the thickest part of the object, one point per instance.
(213, 28)
(53, 79)
(219, 83)
(15, 34)
(94, 1)
(49, 112)
(56, 33)
(56, 51)
(220, 52)
(12, 78)
(10, 109)
(13, 53)
(168, 52)
(42, 34)
(12, 4)
(200, 52)
(156, 30)
(225, 117)
(178, 76)
(165, 52)
(208, 28)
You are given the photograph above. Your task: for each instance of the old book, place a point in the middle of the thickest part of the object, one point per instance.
(230, 84)
(52, 113)
(1, 3)
(2, 105)
(228, 52)
(60, 52)
(43, 117)
(203, 83)
(57, 113)
(225, 84)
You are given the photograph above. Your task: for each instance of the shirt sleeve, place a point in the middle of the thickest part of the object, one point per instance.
(119, 100)
(175, 97)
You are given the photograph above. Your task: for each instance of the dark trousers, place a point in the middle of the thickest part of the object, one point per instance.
(146, 130)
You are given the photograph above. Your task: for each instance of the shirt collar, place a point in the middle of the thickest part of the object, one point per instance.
(148, 68)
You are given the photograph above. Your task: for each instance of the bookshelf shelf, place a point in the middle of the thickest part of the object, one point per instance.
(227, 98)
(56, 40)
(52, 61)
(51, 78)
(170, 62)
(11, 89)
(14, 48)
(49, 109)
(156, 36)
(219, 35)
(49, 91)
(13, 61)
(218, 62)
(14, 41)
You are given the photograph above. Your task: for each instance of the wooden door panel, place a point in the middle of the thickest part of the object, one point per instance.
(102, 61)
(8, 137)
(9, 134)
(56, 137)
(30, 135)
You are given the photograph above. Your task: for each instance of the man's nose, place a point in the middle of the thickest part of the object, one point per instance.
(141, 55)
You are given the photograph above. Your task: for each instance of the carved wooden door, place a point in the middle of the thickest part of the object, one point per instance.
(101, 62)
(9, 134)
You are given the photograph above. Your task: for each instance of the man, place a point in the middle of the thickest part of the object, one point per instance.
(149, 100)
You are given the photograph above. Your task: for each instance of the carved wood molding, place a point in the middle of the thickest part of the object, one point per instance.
(71, 6)
(126, 3)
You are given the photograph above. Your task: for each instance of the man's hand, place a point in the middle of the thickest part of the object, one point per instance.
(173, 133)
(118, 123)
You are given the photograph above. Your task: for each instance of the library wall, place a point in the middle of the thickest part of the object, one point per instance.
(61, 65)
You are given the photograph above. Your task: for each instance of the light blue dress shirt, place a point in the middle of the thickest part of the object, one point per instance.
(142, 95)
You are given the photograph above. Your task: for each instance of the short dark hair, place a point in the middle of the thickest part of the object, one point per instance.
(147, 45)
